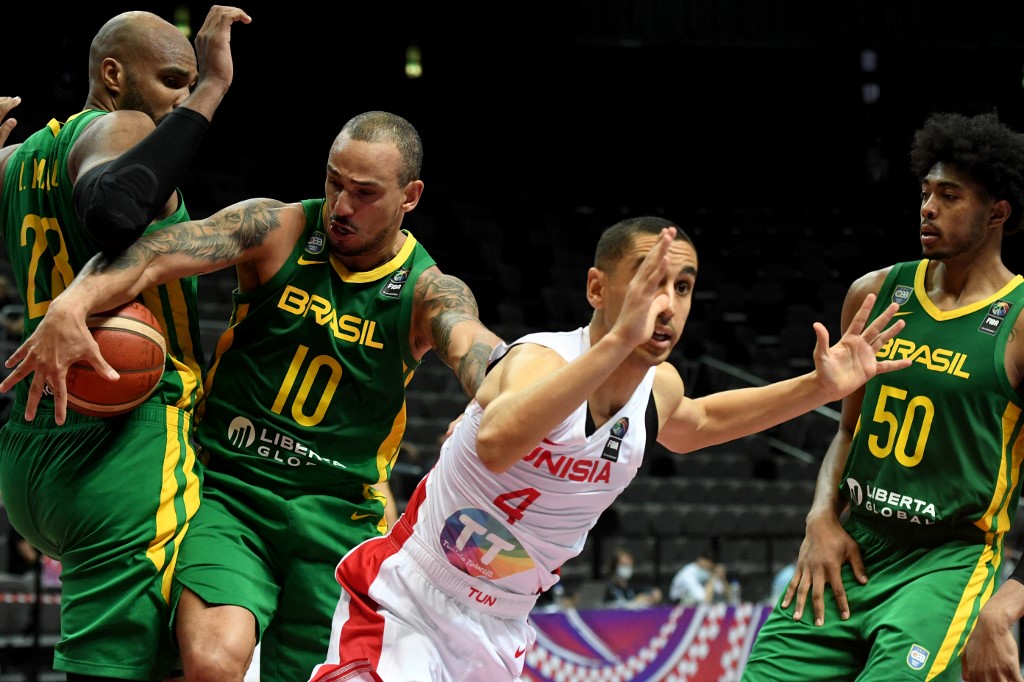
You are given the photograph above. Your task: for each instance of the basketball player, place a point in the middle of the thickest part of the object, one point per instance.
(928, 460)
(110, 499)
(559, 427)
(304, 411)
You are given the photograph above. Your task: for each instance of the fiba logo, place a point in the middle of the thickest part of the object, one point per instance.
(393, 287)
(241, 432)
(856, 494)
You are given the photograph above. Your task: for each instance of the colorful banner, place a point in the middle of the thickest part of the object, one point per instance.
(670, 644)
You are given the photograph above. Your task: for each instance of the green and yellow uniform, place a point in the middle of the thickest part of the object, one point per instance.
(109, 498)
(304, 413)
(933, 479)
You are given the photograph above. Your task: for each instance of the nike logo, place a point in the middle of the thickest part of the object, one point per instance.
(909, 312)
(520, 652)
(302, 261)
(356, 516)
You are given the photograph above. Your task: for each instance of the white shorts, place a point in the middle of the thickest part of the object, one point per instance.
(394, 624)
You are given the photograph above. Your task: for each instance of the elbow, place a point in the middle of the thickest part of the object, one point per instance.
(111, 210)
(491, 451)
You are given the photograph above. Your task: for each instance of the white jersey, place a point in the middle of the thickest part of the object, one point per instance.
(515, 529)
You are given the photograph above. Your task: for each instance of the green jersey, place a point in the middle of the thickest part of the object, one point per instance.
(306, 388)
(937, 447)
(46, 246)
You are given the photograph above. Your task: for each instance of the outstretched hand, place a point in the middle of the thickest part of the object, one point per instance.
(213, 43)
(61, 339)
(848, 365)
(7, 125)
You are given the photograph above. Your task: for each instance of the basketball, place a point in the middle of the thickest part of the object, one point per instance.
(131, 340)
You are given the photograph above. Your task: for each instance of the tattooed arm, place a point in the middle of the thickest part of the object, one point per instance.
(257, 235)
(445, 318)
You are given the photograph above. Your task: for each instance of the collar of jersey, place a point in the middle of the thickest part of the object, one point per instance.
(379, 271)
(936, 313)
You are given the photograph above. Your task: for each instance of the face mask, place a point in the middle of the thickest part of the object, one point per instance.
(624, 572)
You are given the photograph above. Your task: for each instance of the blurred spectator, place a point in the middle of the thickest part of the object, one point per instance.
(620, 590)
(702, 581)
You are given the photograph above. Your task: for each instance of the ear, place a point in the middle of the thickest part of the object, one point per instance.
(413, 191)
(112, 75)
(1000, 212)
(596, 282)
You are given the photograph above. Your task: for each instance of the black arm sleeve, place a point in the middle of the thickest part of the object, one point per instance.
(1018, 571)
(118, 199)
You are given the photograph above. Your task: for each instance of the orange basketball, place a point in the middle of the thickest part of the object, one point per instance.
(131, 340)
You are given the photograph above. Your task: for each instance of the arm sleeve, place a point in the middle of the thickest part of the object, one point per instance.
(117, 200)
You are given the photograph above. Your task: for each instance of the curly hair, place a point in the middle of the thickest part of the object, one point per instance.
(981, 146)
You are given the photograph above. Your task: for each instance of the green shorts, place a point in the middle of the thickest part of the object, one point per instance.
(109, 499)
(910, 621)
(274, 553)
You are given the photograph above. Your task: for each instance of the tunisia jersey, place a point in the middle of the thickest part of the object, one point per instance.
(515, 529)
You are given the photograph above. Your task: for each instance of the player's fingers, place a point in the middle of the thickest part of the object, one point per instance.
(5, 130)
(19, 373)
(101, 366)
(877, 333)
(60, 397)
(861, 318)
(818, 602)
(801, 596)
(35, 393)
(17, 356)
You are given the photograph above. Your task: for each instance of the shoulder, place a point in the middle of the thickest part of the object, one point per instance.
(869, 283)
(668, 388)
(434, 286)
(106, 137)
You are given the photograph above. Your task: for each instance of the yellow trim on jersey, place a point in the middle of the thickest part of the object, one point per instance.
(922, 296)
(54, 126)
(1009, 465)
(177, 452)
(971, 601)
(225, 341)
(186, 366)
(380, 270)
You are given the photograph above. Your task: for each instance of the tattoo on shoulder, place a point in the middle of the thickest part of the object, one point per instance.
(222, 237)
(448, 302)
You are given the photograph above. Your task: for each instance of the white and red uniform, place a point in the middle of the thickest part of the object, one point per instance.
(445, 596)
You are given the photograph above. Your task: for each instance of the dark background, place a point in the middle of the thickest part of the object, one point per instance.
(744, 121)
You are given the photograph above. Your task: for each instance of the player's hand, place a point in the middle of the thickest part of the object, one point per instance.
(645, 299)
(7, 125)
(61, 339)
(213, 49)
(991, 651)
(826, 547)
(848, 365)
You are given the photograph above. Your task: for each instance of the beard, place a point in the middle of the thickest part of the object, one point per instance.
(974, 238)
(134, 101)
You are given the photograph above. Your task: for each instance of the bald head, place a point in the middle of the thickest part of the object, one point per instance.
(137, 36)
(140, 62)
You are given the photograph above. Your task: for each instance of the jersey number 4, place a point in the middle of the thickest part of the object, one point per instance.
(526, 497)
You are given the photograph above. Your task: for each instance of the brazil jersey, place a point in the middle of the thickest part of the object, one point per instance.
(46, 246)
(306, 388)
(937, 445)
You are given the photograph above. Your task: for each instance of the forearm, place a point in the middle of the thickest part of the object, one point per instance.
(827, 499)
(736, 413)
(471, 366)
(516, 421)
